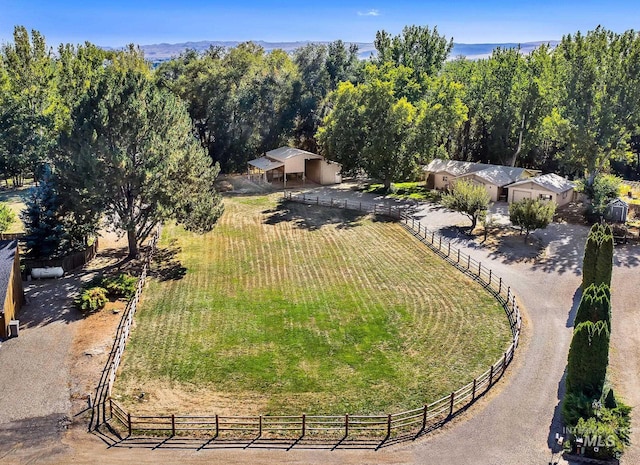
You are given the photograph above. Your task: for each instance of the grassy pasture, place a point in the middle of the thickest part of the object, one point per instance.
(285, 309)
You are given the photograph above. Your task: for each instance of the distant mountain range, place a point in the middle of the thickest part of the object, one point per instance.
(162, 52)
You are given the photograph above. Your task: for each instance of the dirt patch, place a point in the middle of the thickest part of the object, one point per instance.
(153, 398)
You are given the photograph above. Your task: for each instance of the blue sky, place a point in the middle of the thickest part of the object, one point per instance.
(117, 22)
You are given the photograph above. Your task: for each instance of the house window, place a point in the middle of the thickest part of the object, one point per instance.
(564, 195)
(547, 197)
(445, 178)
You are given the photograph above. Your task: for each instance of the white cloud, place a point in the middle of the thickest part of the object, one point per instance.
(369, 13)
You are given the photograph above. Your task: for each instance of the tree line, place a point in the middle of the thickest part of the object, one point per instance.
(106, 143)
(572, 109)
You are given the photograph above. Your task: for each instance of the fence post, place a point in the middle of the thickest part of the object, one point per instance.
(260, 425)
(453, 397)
(317, 200)
(303, 199)
(479, 269)
(346, 425)
(424, 417)
(508, 294)
(345, 204)
(390, 210)
(331, 201)
(500, 287)
(388, 426)
(458, 256)
(504, 362)
(473, 393)
(360, 206)
(129, 423)
(432, 237)
(173, 425)
(490, 377)
(468, 261)
(490, 271)
(217, 425)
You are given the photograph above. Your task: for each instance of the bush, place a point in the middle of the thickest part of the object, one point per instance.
(123, 286)
(92, 299)
(603, 435)
(531, 214)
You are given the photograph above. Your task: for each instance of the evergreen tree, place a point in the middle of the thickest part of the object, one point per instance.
(590, 259)
(595, 305)
(604, 263)
(46, 236)
(588, 359)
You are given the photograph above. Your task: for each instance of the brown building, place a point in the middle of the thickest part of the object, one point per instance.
(11, 291)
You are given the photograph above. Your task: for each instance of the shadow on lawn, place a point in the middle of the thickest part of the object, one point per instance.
(166, 267)
(313, 217)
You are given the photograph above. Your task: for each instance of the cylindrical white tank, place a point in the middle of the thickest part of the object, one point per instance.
(48, 272)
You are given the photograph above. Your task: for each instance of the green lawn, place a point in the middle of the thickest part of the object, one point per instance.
(406, 190)
(296, 309)
(15, 198)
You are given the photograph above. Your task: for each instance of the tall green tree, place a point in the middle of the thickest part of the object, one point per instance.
(27, 104)
(419, 48)
(595, 305)
(135, 144)
(597, 263)
(597, 99)
(45, 236)
(588, 359)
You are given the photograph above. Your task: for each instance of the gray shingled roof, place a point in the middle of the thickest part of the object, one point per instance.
(454, 167)
(551, 181)
(498, 175)
(7, 256)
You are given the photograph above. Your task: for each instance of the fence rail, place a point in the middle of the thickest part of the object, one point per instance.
(105, 385)
(415, 422)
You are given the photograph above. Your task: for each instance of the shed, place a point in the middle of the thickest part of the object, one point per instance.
(617, 211)
(11, 291)
(288, 162)
(546, 187)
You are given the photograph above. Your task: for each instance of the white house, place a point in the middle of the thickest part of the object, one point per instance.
(547, 187)
(439, 174)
